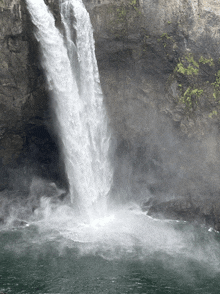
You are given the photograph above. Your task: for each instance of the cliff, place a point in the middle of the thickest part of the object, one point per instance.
(24, 104)
(160, 73)
(159, 67)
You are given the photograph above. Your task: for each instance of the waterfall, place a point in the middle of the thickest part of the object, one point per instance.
(72, 74)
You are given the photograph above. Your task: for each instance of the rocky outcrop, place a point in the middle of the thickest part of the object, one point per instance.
(160, 73)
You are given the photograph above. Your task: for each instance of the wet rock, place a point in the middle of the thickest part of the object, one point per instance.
(187, 210)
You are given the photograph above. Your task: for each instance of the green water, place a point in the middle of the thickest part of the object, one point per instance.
(32, 263)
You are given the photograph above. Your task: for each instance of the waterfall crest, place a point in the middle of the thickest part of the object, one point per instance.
(72, 74)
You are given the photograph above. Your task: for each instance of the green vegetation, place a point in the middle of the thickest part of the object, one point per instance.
(164, 36)
(118, 24)
(123, 10)
(216, 85)
(206, 60)
(190, 59)
(133, 3)
(121, 13)
(188, 66)
(190, 70)
(214, 112)
(191, 96)
(123, 16)
(192, 88)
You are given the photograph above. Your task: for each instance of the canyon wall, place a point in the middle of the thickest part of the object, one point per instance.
(160, 73)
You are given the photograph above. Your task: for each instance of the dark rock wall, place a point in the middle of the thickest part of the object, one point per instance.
(14, 79)
(159, 70)
(24, 101)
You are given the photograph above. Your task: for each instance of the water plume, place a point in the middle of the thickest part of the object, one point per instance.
(72, 74)
(123, 234)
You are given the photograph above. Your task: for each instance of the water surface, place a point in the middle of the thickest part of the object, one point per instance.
(112, 256)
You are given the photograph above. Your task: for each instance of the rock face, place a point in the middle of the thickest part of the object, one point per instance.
(24, 138)
(159, 66)
(160, 73)
(14, 79)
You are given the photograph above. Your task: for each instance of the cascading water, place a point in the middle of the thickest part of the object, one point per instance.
(56, 251)
(72, 75)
